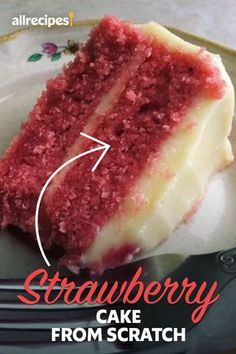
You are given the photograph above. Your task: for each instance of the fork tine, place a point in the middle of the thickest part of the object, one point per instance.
(42, 345)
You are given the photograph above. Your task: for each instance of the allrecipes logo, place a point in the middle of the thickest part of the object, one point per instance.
(48, 21)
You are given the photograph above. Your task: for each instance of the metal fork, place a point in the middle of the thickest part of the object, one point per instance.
(27, 328)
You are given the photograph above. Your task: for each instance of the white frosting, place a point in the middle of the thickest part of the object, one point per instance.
(167, 193)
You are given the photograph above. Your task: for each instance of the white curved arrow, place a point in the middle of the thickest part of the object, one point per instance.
(103, 146)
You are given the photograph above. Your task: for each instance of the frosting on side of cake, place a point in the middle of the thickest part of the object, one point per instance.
(153, 103)
(178, 178)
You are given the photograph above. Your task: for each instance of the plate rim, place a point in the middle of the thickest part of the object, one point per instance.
(14, 34)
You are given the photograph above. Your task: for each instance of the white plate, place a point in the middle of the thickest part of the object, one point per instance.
(24, 70)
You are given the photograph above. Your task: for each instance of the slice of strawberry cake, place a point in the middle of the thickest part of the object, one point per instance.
(163, 105)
